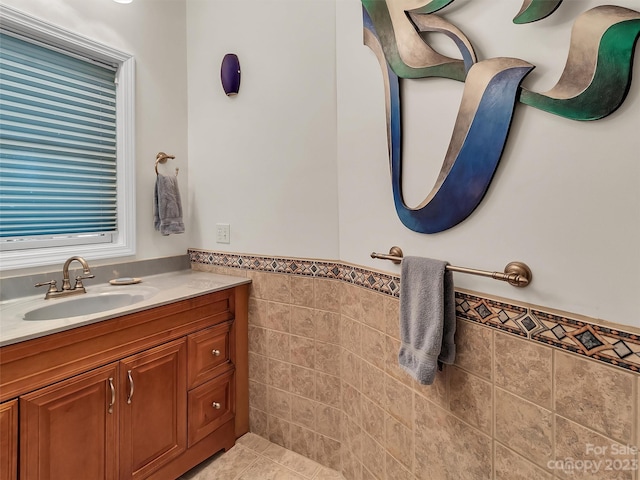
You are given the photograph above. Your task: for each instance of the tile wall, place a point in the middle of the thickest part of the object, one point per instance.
(532, 395)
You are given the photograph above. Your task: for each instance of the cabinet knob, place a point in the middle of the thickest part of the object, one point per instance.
(215, 353)
(216, 405)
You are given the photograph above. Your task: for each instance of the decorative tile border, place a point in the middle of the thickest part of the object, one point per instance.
(604, 344)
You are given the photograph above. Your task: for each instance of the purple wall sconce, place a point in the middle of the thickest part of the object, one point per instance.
(230, 74)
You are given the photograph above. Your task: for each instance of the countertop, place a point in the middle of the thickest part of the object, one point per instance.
(154, 291)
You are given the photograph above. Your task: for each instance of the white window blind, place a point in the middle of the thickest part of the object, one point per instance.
(57, 144)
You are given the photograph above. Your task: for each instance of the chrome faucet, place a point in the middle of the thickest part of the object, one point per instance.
(66, 290)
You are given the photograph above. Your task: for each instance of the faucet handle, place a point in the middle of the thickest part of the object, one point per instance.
(51, 283)
(79, 279)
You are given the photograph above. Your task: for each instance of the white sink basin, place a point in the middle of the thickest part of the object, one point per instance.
(84, 305)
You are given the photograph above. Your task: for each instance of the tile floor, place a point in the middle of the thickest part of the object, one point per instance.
(254, 458)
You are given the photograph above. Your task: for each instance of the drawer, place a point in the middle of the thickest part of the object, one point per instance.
(209, 353)
(210, 406)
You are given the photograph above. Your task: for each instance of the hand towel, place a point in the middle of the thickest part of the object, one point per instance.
(427, 317)
(167, 206)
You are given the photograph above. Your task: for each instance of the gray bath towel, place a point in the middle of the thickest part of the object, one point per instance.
(167, 207)
(427, 317)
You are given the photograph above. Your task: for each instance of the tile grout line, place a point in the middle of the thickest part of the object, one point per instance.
(493, 406)
(285, 466)
(554, 425)
(244, 470)
(248, 466)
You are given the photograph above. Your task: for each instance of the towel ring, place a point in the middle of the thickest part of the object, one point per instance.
(162, 157)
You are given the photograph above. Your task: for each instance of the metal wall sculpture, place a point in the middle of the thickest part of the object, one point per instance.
(595, 82)
(534, 10)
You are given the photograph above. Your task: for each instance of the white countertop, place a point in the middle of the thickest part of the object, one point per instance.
(154, 291)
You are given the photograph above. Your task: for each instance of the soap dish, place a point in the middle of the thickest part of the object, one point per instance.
(125, 281)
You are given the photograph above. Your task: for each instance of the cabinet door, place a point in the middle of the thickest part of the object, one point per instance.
(153, 411)
(9, 440)
(68, 430)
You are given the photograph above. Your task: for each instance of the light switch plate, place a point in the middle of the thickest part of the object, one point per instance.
(223, 233)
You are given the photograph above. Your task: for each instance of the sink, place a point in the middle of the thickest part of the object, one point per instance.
(86, 304)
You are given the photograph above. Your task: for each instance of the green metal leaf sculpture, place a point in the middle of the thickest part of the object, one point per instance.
(597, 75)
(404, 40)
(534, 10)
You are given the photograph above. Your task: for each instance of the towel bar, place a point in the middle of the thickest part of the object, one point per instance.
(517, 274)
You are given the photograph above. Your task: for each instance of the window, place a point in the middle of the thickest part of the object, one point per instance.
(66, 145)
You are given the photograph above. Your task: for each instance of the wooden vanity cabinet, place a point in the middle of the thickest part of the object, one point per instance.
(146, 395)
(69, 429)
(153, 413)
(9, 440)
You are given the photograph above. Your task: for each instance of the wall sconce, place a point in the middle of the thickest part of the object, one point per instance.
(230, 74)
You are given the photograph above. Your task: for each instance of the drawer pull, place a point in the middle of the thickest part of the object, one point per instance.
(215, 353)
(216, 405)
(130, 386)
(113, 395)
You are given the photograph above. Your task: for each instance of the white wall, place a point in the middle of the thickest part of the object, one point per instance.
(153, 31)
(565, 199)
(265, 160)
